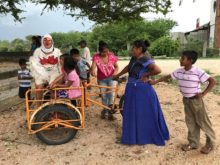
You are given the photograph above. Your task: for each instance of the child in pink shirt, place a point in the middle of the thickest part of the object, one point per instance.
(71, 79)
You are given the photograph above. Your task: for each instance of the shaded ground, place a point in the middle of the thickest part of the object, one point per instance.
(96, 144)
(8, 66)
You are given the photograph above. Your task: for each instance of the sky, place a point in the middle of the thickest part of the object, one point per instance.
(57, 21)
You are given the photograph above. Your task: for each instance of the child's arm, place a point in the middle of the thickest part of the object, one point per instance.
(93, 68)
(124, 71)
(164, 78)
(20, 77)
(88, 65)
(116, 68)
(153, 70)
(59, 78)
(211, 84)
(68, 84)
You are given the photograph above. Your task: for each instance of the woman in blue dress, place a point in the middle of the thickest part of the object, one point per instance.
(143, 121)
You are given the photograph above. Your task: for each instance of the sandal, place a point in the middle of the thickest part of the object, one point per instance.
(206, 149)
(110, 116)
(103, 113)
(118, 141)
(187, 147)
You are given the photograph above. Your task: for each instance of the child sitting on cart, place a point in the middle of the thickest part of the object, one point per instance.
(70, 79)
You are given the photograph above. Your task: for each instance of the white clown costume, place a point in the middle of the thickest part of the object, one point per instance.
(45, 63)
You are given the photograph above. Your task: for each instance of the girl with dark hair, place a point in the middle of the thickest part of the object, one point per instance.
(143, 121)
(106, 64)
(71, 79)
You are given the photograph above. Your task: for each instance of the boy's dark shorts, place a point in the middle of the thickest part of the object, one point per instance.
(22, 91)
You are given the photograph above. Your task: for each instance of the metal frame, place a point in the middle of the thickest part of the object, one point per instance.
(84, 100)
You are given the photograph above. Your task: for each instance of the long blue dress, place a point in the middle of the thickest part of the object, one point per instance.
(143, 121)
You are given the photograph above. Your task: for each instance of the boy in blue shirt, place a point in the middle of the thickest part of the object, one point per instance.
(83, 65)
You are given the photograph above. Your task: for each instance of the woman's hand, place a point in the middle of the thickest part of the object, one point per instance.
(152, 82)
(144, 78)
(93, 73)
(115, 77)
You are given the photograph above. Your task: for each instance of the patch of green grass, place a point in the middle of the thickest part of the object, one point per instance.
(216, 89)
(208, 71)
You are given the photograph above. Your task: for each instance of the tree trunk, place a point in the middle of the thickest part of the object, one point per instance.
(128, 45)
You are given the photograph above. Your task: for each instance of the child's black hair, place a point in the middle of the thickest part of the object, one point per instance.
(64, 55)
(144, 44)
(74, 52)
(83, 42)
(190, 55)
(22, 61)
(102, 46)
(34, 38)
(39, 41)
(69, 64)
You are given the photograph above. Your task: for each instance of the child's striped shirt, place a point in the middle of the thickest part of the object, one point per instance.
(24, 74)
(190, 81)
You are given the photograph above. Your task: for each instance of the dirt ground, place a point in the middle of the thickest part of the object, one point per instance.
(167, 66)
(96, 143)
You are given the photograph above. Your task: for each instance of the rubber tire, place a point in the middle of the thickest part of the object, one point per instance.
(121, 104)
(51, 109)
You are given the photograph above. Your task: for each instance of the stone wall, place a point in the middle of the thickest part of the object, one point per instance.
(13, 56)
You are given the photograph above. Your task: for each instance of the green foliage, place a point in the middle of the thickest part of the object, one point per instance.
(17, 45)
(164, 46)
(120, 35)
(212, 52)
(64, 41)
(208, 71)
(11, 7)
(195, 45)
(4, 46)
(123, 53)
(158, 28)
(216, 89)
(100, 11)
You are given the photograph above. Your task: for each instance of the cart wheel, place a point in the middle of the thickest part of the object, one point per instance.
(56, 135)
(121, 104)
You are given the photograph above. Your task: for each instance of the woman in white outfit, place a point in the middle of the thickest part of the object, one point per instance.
(44, 64)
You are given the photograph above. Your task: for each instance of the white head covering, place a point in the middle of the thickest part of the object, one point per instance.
(45, 50)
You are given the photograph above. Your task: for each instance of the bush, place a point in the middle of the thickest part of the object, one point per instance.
(212, 52)
(123, 53)
(195, 45)
(164, 46)
(3, 48)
